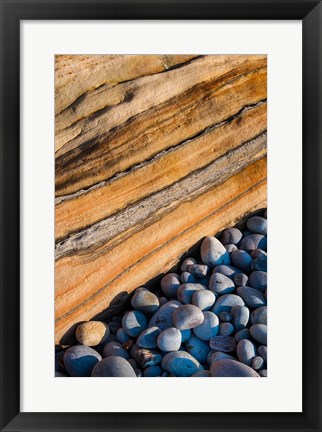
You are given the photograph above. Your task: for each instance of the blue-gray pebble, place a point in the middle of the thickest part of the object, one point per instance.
(258, 280)
(231, 236)
(113, 367)
(198, 270)
(246, 351)
(79, 360)
(240, 316)
(259, 333)
(226, 329)
(199, 349)
(145, 301)
(180, 364)
(213, 252)
(259, 316)
(242, 260)
(253, 241)
(187, 277)
(240, 279)
(226, 302)
(187, 317)
(225, 316)
(226, 270)
(152, 371)
(257, 363)
(134, 322)
(242, 334)
(203, 299)
(231, 368)
(257, 225)
(221, 284)
(223, 343)
(148, 338)
(169, 339)
(262, 351)
(251, 296)
(170, 284)
(209, 328)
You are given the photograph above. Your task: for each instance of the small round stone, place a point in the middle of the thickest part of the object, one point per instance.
(187, 277)
(221, 284)
(253, 241)
(163, 317)
(231, 236)
(258, 280)
(92, 333)
(242, 260)
(226, 329)
(113, 367)
(262, 351)
(198, 348)
(213, 252)
(226, 302)
(134, 322)
(231, 368)
(257, 225)
(246, 351)
(169, 339)
(170, 284)
(203, 299)
(251, 296)
(209, 328)
(115, 349)
(240, 279)
(198, 270)
(79, 360)
(230, 247)
(187, 317)
(148, 338)
(225, 316)
(240, 316)
(188, 261)
(242, 334)
(257, 363)
(259, 333)
(145, 301)
(152, 371)
(263, 373)
(259, 316)
(186, 291)
(223, 343)
(180, 364)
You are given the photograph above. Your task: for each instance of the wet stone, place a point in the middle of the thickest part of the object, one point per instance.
(223, 343)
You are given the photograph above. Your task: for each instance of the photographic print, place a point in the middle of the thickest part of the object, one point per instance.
(161, 216)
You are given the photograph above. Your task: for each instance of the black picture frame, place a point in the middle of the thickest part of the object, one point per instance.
(12, 12)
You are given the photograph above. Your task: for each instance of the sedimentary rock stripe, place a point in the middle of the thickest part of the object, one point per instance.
(144, 211)
(83, 209)
(104, 149)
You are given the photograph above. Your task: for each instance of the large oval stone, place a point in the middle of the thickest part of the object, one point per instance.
(251, 296)
(209, 328)
(79, 360)
(246, 351)
(180, 364)
(113, 367)
(145, 301)
(221, 284)
(187, 317)
(231, 368)
(163, 317)
(226, 303)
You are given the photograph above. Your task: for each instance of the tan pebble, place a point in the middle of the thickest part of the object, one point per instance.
(92, 333)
